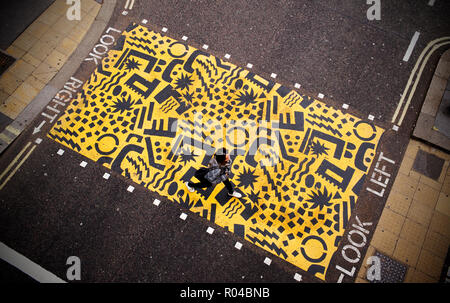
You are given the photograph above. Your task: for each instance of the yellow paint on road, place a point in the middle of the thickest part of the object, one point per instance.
(14, 161)
(18, 166)
(156, 109)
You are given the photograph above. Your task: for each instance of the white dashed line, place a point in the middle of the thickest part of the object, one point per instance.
(238, 245)
(205, 46)
(395, 127)
(183, 216)
(144, 21)
(38, 141)
(370, 117)
(164, 29)
(320, 95)
(60, 152)
(130, 188)
(273, 75)
(296, 85)
(297, 277)
(267, 261)
(345, 106)
(210, 230)
(106, 176)
(83, 164)
(125, 13)
(249, 65)
(156, 202)
(227, 56)
(431, 2)
(184, 38)
(411, 46)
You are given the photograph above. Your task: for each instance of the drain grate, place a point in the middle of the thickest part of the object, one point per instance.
(428, 164)
(5, 62)
(392, 271)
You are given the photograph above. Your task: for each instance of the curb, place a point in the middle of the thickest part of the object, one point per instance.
(23, 120)
(429, 110)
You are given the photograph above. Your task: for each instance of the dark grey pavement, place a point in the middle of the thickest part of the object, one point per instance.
(52, 208)
(16, 16)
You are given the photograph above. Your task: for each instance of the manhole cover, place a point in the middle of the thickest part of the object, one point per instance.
(428, 164)
(392, 271)
(5, 62)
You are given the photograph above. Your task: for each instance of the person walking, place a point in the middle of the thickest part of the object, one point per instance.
(218, 170)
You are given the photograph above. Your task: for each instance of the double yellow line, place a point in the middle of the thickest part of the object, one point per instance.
(422, 61)
(11, 165)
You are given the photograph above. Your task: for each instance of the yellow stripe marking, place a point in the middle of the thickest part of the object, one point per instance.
(413, 73)
(417, 81)
(14, 161)
(18, 166)
(13, 130)
(5, 138)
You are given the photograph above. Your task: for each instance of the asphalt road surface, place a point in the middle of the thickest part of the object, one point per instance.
(52, 208)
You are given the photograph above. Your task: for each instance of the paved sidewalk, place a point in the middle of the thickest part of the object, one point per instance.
(40, 52)
(433, 122)
(414, 228)
(413, 232)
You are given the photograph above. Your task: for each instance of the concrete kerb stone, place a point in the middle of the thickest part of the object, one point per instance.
(70, 67)
(425, 122)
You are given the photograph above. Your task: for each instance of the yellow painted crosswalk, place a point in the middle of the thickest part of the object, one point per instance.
(156, 109)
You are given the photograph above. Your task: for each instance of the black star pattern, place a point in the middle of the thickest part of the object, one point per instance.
(247, 98)
(132, 64)
(254, 197)
(188, 97)
(187, 156)
(319, 149)
(247, 178)
(319, 199)
(183, 82)
(123, 105)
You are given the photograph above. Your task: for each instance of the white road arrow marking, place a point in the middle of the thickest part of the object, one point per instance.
(38, 129)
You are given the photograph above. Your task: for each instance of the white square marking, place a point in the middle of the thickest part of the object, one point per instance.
(296, 85)
(238, 245)
(273, 75)
(249, 65)
(144, 21)
(125, 13)
(370, 117)
(156, 202)
(164, 29)
(183, 216)
(184, 38)
(227, 56)
(38, 141)
(130, 188)
(267, 261)
(320, 95)
(395, 127)
(210, 230)
(83, 163)
(106, 176)
(60, 152)
(205, 46)
(345, 106)
(298, 277)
